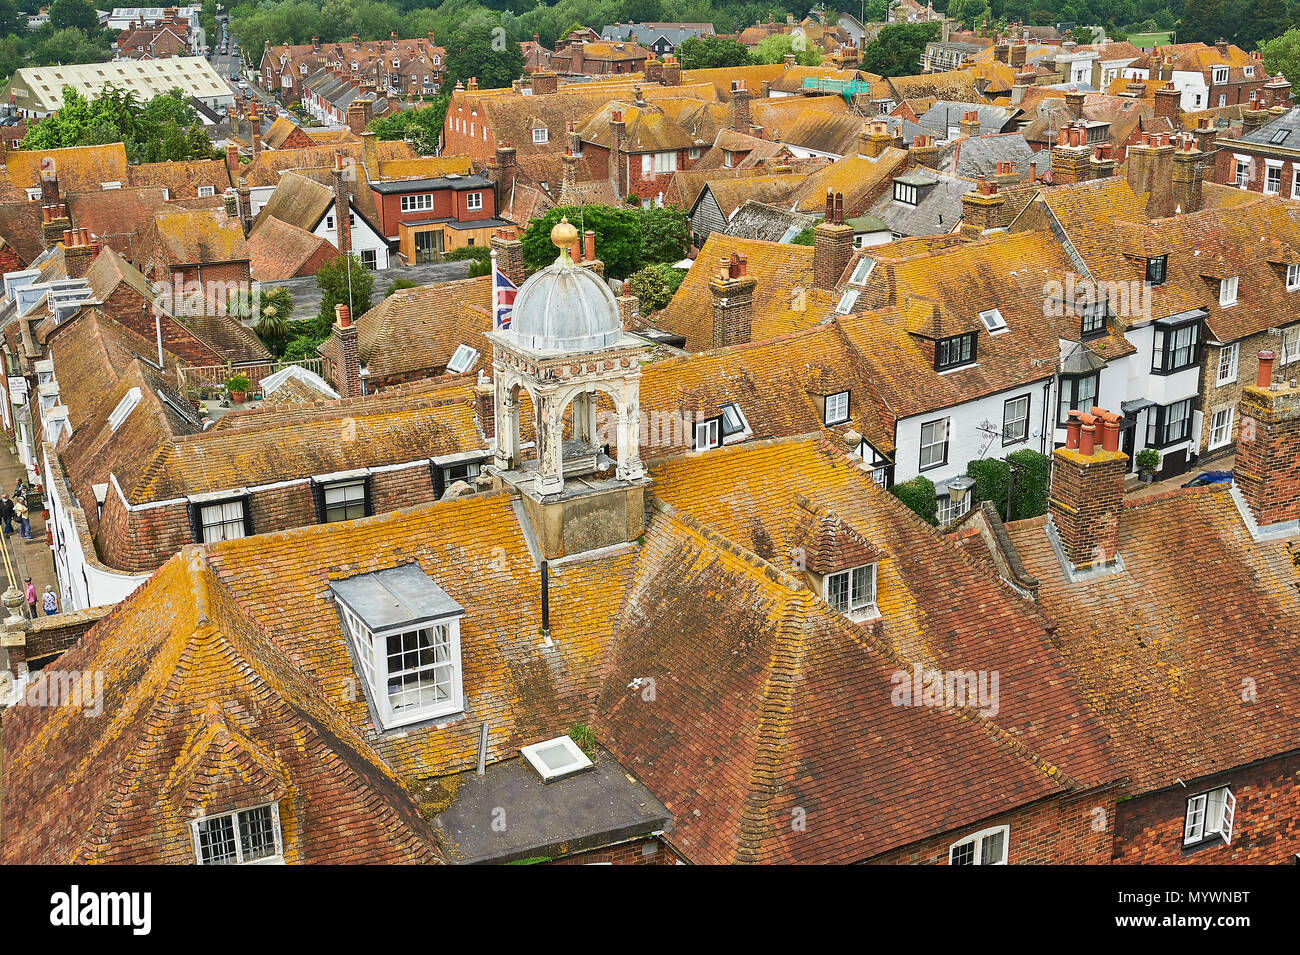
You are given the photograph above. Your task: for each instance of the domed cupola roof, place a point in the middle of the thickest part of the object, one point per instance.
(565, 307)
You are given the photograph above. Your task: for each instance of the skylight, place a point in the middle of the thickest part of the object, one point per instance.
(993, 320)
(733, 420)
(863, 270)
(1279, 136)
(847, 301)
(556, 758)
(463, 359)
(128, 402)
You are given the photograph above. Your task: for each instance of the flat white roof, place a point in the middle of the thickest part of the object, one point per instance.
(192, 74)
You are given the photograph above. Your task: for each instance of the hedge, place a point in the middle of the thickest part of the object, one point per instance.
(992, 476)
(918, 494)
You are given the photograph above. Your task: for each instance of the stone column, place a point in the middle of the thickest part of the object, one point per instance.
(550, 447)
(629, 442)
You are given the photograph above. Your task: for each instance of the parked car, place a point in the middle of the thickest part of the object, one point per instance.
(1210, 477)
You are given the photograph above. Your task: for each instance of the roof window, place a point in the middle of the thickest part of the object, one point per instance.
(993, 320)
(463, 359)
(124, 408)
(556, 758)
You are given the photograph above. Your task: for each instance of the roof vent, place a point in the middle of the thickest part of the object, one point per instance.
(556, 758)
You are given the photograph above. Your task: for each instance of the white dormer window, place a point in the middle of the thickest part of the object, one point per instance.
(33, 194)
(847, 301)
(708, 434)
(1210, 816)
(993, 321)
(1292, 277)
(405, 634)
(205, 191)
(124, 408)
(1248, 71)
(986, 847)
(852, 592)
(437, 61)
(541, 135)
(246, 837)
(837, 408)
(1228, 292)
(1220, 75)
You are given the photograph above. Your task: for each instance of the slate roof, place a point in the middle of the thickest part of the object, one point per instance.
(1289, 122)
(978, 157)
(938, 207)
(759, 220)
(948, 113)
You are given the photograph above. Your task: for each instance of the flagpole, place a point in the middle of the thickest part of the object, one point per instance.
(495, 313)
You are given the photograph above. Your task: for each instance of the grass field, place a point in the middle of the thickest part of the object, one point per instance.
(1145, 40)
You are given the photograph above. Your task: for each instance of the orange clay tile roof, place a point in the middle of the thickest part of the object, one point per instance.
(730, 194)
(20, 228)
(118, 216)
(858, 178)
(665, 124)
(836, 135)
(784, 300)
(415, 331)
(278, 250)
(200, 236)
(959, 85)
(425, 167)
(1163, 666)
(722, 77)
(79, 168)
(181, 179)
(272, 162)
(265, 448)
(773, 383)
(204, 715)
(298, 201)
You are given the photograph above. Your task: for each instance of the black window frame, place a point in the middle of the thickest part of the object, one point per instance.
(695, 433)
(1162, 357)
(1029, 410)
(194, 511)
(1072, 382)
(943, 345)
(318, 489)
(1160, 424)
(1160, 265)
(1098, 312)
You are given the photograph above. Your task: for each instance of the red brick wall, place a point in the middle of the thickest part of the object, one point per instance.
(457, 143)
(127, 306)
(1225, 170)
(639, 852)
(1073, 830)
(50, 636)
(1268, 453)
(447, 204)
(1266, 829)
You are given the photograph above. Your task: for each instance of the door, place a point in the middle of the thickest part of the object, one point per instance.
(1129, 441)
(428, 246)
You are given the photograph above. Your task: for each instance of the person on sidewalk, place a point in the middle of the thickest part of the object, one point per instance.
(7, 513)
(50, 602)
(31, 597)
(24, 522)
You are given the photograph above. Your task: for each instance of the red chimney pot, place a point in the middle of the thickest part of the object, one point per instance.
(1264, 376)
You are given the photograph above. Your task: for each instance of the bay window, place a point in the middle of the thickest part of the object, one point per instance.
(1078, 393)
(1169, 424)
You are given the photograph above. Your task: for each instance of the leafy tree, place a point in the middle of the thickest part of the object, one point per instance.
(422, 127)
(165, 128)
(651, 287)
(712, 52)
(476, 253)
(897, 48)
(482, 49)
(618, 243)
(11, 24)
(74, 14)
(332, 278)
(773, 49)
(918, 494)
(1202, 20)
(1268, 19)
(68, 45)
(398, 284)
(1028, 496)
(665, 234)
(12, 55)
(1282, 55)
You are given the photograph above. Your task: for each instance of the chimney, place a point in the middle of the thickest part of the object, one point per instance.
(832, 244)
(1168, 106)
(981, 210)
(739, 107)
(359, 114)
(1278, 91)
(672, 71)
(1150, 169)
(349, 353)
(1088, 490)
(315, 44)
(629, 306)
(654, 70)
(589, 260)
(484, 407)
(232, 159)
(1188, 173)
(1206, 137)
(57, 221)
(1102, 163)
(1016, 56)
(342, 217)
(49, 182)
(76, 252)
(617, 159)
(924, 152)
(1007, 174)
(1267, 469)
(1253, 114)
(1074, 102)
(1001, 51)
(506, 165)
(970, 124)
(874, 138)
(255, 131)
(788, 61)
(1221, 45)
(244, 205)
(231, 203)
(510, 254)
(733, 302)
(356, 42)
(545, 83)
(569, 178)
(1070, 155)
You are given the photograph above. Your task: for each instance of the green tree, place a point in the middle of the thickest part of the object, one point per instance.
(482, 49)
(1282, 55)
(804, 237)
(332, 278)
(711, 53)
(665, 234)
(1202, 20)
(773, 49)
(618, 242)
(11, 25)
(919, 495)
(268, 312)
(897, 48)
(421, 127)
(398, 284)
(1268, 19)
(74, 14)
(651, 287)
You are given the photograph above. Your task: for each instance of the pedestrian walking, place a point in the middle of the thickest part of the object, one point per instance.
(7, 513)
(50, 602)
(31, 596)
(24, 519)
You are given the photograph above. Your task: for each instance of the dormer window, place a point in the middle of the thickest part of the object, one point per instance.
(1228, 291)
(905, 192)
(954, 352)
(1156, 266)
(1210, 817)
(404, 632)
(541, 135)
(1092, 320)
(733, 421)
(852, 591)
(708, 434)
(1292, 277)
(246, 837)
(1219, 75)
(837, 408)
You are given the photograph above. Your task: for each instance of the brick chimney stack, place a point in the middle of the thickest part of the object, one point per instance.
(1070, 155)
(342, 213)
(1253, 114)
(345, 333)
(1206, 137)
(510, 254)
(1277, 91)
(1267, 469)
(924, 152)
(506, 165)
(740, 120)
(970, 124)
(485, 407)
(1189, 171)
(1150, 168)
(1102, 163)
(545, 83)
(1168, 101)
(56, 220)
(49, 182)
(77, 253)
(1016, 55)
(733, 302)
(874, 138)
(672, 71)
(232, 159)
(617, 158)
(832, 244)
(981, 210)
(359, 114)
(1088, 490)
(629, 306)
(255, 130)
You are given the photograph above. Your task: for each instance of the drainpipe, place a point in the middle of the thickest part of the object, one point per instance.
(546, 605)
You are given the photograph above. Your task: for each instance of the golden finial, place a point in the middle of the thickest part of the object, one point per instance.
(563, 236)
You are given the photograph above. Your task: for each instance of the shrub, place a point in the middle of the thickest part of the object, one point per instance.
(480, 253)
(651, 287)
(237, 384)
(479, 267)
(805, 237)
(993, 475)
(918, 494)
(1148, 459)
(399, 284)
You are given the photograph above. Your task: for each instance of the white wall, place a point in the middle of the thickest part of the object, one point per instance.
(1194, 89)
(363, 237)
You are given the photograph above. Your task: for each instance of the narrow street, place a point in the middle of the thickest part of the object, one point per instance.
(29, 558)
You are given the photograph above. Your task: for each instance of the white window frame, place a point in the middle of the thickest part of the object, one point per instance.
(946, 424)
(658, 164)
(859, 594)
(541, 135)
(1210, 814)
(1290, 345)
(1241, 172)
(418, 202)
(837, 408)
(208, 520)
(993, 321)
(1007, 405)
(1221, 426)
(1219, 75)
(978, 839)
(277, 858)
(1292, 277)
(124, 408)
(708, 434)
(474, 201)
(1228, 292)
(371, 649)
(1227, 370)
(205, 191)
(1272, 180)
(462, 359)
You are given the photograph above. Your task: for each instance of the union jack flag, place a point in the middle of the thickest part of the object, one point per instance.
(503, 297)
